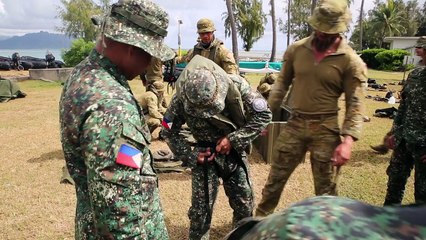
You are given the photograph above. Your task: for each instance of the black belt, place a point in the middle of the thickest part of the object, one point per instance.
(313, 116)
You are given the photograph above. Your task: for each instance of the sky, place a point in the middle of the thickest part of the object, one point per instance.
(18, 17)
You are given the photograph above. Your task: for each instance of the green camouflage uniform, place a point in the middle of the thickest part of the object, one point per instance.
(328, 217)
(409, 130)
(313, 126)
(222, 57)
(402, 161)
(117, 198)
(206, 128)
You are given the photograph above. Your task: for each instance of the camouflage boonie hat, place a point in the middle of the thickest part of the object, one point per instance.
(159, 86)
(331, 17)
(421, 42)
(204, 92)
(140, 23)
(205, 25)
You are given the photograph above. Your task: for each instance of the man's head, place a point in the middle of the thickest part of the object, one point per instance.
(159, 86)
(264, 89)
(204, 92)
(421, 46)
(205, 30)
(329, 19)
(142, 26)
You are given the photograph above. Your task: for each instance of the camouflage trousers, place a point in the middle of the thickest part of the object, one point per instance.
(318, 136)
(237, 188)
(404, 158)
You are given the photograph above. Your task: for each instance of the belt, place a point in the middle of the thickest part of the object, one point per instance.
(313, 116)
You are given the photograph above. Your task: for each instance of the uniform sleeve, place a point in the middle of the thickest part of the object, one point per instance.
(258, 116)
(152, 104)
(185, 58)
(283, 82)
(118, 193)
(171, 127)
(354, 94)
(228, 61)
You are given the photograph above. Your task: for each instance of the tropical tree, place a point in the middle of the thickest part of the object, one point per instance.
(249, 19)
(360, 23)
(75, 16)
(387, 19)
(296, 24)
(421, 31)
(233, 29)
(274, 31)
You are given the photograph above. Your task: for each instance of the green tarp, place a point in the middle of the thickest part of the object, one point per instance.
(9, 90)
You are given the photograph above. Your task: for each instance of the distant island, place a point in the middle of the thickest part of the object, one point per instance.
(40, 40)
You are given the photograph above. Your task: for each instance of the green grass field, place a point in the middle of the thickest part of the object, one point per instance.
(33, 205)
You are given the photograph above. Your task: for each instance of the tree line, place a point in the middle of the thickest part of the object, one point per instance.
(245, 19)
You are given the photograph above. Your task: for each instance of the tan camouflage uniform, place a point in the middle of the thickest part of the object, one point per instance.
(151, 103)
(99, 116)
(205, 104)
(313, 126)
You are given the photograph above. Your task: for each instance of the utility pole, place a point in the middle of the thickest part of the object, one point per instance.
(179, 38)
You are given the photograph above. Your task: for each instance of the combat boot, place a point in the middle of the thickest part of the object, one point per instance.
(380, 149)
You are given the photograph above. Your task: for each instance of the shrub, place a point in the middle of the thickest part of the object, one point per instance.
(391, 60)
(79, 50)
(369, 57)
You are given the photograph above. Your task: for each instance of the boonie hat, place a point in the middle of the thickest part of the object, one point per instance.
(204, 92)
(205, 25)
(264, 88)
(331, 16)
(421, 42)
(140, 23)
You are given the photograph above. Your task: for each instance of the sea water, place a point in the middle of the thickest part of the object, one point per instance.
(38, 53)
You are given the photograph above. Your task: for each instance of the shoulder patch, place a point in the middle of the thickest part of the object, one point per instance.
(259, 104)
(129, 156)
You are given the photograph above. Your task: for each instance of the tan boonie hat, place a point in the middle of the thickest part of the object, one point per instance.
(159, 86)
(264, 88)
(205, 25)
(421, 42)
(331, 16)
(204, 92)
(140, 23)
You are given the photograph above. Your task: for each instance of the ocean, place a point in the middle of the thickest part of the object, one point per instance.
(38, 53)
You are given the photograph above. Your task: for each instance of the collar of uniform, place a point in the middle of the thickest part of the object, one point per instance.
(341, 49)
(108, 66)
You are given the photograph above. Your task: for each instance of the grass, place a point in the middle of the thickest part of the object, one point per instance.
(33, 205)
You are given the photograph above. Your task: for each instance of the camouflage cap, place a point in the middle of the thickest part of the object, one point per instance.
(140, 23)
(331, 16)
(204, 92)
(159, 86)
(205, 25)
(421, 42)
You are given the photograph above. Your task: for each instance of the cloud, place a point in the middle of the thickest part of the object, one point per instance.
(2, 11)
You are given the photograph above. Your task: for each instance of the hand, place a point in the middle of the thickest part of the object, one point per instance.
(343, 152)
(202, 155)
(390, 142)
(423, 158)
(223, 146)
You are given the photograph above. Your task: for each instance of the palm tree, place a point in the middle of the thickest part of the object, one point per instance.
(387, 19)
(274, 31)
(361, 20)
(233, 29)
(288, 20)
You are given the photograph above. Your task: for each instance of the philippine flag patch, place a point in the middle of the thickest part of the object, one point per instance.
(129, 156)
(166, 123)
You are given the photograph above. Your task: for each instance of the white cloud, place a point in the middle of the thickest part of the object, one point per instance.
(2, 11)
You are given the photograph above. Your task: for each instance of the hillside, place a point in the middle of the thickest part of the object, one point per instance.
(40, 40)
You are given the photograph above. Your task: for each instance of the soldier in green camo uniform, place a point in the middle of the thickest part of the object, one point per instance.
(211, 47)
(151, 104)
(408, 137)
(319, 69)
(328, 217)
(104, 136)
(224, 115)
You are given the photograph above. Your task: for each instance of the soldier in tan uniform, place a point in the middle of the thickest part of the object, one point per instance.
(151, 104)
(211, 47)
(319, 69)
(154, 72)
